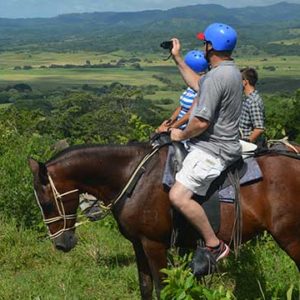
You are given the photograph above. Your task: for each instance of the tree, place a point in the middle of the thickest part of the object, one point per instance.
(283, 116)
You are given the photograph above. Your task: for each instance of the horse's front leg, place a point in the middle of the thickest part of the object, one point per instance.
(156, 253)
(144, 272)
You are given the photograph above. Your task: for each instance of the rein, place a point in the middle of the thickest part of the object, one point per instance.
(128, 188)
(60, 208)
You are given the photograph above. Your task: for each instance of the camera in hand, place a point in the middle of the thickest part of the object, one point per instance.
(167, 45)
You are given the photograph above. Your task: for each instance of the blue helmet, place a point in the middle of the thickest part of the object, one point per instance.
(222, 37)
(196, 60)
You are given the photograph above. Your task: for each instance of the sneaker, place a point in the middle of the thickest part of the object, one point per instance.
(219, 252)
(205, 259)
(203, 262)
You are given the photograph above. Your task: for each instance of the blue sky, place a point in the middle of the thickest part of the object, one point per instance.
(50, 8)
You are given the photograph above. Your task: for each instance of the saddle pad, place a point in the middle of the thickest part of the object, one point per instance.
(169, 172)
(253, 173)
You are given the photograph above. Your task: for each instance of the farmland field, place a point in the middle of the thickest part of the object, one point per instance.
(277, 74)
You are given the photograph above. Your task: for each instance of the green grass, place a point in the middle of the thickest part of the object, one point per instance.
(52, 78)
(261, 271)
(286, 76)
(8, 60)
(286, 66)
(102, 267)
(4, 105)
(295, 41)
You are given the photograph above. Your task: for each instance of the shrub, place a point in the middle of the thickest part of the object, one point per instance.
(18, 142)
(182, 285)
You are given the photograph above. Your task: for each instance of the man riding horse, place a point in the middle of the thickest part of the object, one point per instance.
(212, 131)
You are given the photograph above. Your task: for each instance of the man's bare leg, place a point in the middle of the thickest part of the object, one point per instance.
(181, 198)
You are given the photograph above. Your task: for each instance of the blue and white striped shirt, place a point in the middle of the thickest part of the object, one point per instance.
(186, 101)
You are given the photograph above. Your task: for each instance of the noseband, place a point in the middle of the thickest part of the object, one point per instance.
(60, 208)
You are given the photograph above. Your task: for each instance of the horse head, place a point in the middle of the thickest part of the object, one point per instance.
(58, 203)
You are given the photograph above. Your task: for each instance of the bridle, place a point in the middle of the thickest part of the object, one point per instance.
(60, 208)
(135, 176)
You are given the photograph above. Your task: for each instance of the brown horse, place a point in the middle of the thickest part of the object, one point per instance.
(144, 218)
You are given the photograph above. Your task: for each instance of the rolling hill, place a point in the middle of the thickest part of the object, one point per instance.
(259, 28)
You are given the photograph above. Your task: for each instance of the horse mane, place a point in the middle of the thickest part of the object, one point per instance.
(75, 148)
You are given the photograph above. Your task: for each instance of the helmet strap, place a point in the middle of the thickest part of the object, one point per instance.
(207, 52)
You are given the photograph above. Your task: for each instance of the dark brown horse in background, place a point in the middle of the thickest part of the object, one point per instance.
(144, 218)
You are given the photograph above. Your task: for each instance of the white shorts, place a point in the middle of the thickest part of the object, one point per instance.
(198, 171)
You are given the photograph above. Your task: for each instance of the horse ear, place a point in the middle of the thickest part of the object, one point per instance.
(34, 165)
(39, 169)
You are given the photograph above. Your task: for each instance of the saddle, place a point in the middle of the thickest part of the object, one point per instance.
(229, 178)
(176, 155)
(211, 202)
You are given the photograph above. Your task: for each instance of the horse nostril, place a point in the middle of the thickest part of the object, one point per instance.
(65, 244)
(61, 248)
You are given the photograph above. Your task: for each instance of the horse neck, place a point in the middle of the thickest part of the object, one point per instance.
(101, 171)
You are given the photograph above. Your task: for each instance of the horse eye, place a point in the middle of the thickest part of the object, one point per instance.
(47, 207)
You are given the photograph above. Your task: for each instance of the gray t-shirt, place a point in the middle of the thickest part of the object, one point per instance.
(220, 103)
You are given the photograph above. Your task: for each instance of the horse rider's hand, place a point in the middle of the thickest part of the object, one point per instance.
(176, 134)
(168, 122)
(176, 48)
(164, 126)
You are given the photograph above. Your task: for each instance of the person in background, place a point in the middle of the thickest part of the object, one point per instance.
(196, 60)
(252, 120)
(212, 133)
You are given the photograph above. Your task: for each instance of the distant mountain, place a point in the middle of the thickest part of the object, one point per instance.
(107, 31)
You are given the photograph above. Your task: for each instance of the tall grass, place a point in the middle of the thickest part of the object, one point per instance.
(262, 271)
(102, 266)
